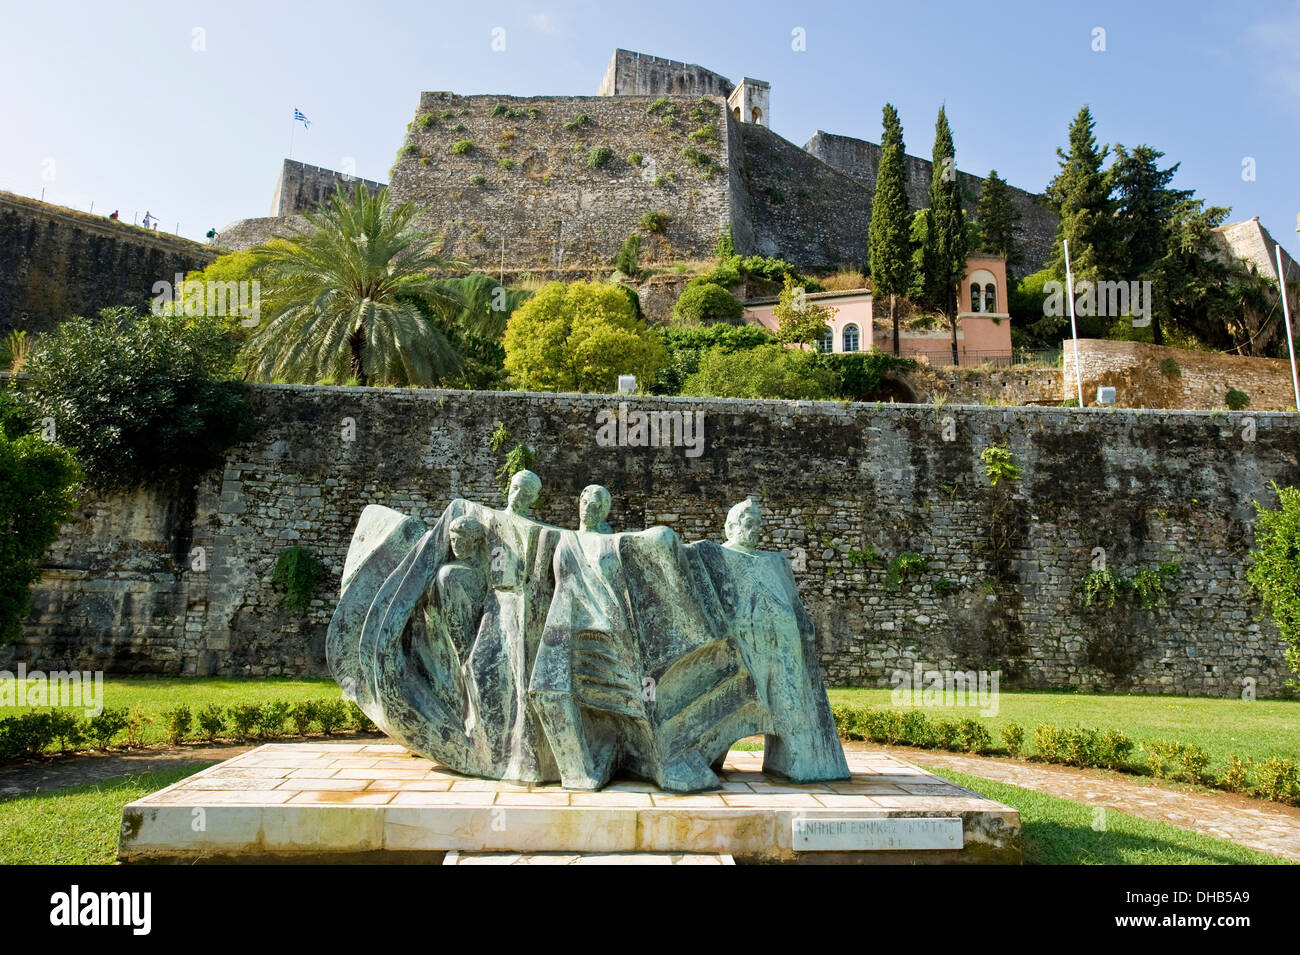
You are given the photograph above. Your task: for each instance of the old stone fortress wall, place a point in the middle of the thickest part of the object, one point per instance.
(151, 584)
(527, 181)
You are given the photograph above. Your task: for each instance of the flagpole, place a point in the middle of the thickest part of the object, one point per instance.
(293, 128)
(1286, 315)
(1074, 331)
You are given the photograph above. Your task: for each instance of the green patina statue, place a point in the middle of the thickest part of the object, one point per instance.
(507, 648)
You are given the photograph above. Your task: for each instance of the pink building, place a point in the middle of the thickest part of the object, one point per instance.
(983, 323)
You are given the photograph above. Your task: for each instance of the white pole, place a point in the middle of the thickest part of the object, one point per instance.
(1074, 331)
(1286, 315)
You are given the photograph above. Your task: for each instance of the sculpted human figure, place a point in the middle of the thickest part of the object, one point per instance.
(593, 509)
(743, 521)
(461, 585)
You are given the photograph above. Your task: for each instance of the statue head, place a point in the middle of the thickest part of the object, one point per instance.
(468, 538)
(742, 525)
(524, 488)
(593, 508)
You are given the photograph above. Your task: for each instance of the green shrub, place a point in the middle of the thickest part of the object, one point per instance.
(67, 729)
(768, 371)
(696, 158)
(103, 728)
(1160, 753)
(686, 346)
(331, 714)
(359, 719)
(860, 374)
(661, 106)
(37, 482)
(999, 465)
(244, 719)
(141, 400)
(1236, 400)
(298, 573)
(1102, 587)
(1047, 743)
(634, 159)
(703, 302)
(506, 163)
(597, 156)
(659, 182)
(579, 121)
(1279, 780)
(912, 727)
(212, 721)
(946, 734)
(136, 723)
(708, 133)
(303, 715)
(410, 149)
(426, 120)
(462, 147)
(975, 737)
(270, 721)
(904, 566)
(1170, 368)
(1192, 763)
(655, 221)
(533, 112)
(629, 255)
(1237, 778)
(1274, 571)
(179, 719)
(1013, 737)
(28, 734)
(477, 179)
(509, 112)
(1113, 749)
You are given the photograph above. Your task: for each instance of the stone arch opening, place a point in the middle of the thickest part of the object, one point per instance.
(756, 116)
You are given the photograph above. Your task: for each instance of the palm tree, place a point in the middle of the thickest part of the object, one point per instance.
(345, 298)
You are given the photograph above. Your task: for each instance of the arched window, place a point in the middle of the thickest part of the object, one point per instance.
(974, 296)
(757, 116)
(826, 344)
(735, 111)
(990, 298)
(850, 338)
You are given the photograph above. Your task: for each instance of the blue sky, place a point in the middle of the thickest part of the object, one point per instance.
(119, 105)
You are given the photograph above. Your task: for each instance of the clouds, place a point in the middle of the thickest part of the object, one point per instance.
(544, 24)
(1275, 48)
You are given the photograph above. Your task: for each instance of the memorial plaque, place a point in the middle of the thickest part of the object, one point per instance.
(822, 834)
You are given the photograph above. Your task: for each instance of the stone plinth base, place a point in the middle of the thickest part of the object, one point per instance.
(375, 802)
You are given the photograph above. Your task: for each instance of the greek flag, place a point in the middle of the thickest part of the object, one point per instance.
(297, 115)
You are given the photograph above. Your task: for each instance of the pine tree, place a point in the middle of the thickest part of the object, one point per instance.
(947, 227)
(999, 221)
(1080, 196)
(889, 234)
(1146, 210)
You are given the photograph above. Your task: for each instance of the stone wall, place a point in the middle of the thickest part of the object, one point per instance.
(796, 206)
(860, 160)
(845, 488)
(57, 262)
(1200, 380)
(636, 74)
(552, 208)
(302, 188)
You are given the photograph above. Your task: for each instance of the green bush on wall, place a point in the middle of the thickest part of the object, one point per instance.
(299, 574)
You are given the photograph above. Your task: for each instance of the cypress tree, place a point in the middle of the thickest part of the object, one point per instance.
(947, 227)
(889, 235)
(999, 221)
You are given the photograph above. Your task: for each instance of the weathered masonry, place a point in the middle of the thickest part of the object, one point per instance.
(150, 584)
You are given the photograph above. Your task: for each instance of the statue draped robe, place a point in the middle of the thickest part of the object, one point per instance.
(591, 654)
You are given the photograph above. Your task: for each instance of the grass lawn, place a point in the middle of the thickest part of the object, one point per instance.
(78, 825)
(1259, 729)
(157, 694)
(1057, 831)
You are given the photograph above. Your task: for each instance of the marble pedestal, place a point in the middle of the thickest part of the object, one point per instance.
(375, 802)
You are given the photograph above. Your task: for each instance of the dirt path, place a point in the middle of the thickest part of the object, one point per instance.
(1253, 823)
